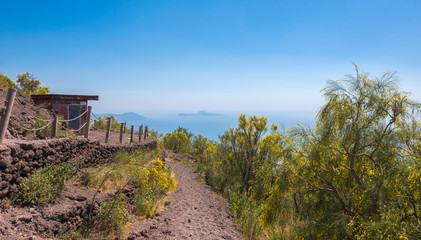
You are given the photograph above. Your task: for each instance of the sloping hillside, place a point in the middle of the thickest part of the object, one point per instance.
(24, 114)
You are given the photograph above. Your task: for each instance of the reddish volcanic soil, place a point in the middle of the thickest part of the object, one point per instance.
(99, 135)
(192, 212)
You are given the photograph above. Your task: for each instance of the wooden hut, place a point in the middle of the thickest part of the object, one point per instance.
(68, 106)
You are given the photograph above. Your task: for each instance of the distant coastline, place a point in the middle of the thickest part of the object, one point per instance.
(124, 117)
(212, 126)
(200, 113)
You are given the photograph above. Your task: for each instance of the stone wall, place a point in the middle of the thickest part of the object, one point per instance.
(18, 159)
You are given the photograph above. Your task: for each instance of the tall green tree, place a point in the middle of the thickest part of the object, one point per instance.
(355, 175)
(240, 148)
(29, 85)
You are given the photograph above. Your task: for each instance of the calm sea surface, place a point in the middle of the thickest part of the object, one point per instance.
(212, 126)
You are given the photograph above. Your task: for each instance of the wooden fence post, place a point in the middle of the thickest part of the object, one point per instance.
(107, 134)
(121, 132)
(140, 132)
(5, 113)
(88, 122)
(54, 126)
(131, 134)
(146, 132)
(124, 127)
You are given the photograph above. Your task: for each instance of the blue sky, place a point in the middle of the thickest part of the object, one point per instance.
(214, 55)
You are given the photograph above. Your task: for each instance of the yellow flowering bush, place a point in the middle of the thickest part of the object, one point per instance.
(177, 141)
(355, 175)
(159, 182)
(145, 171)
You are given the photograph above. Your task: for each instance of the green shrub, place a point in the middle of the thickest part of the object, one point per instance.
(152, 188)
(45, 185)
(101, 124)
(73, 234)
(113, 216)
(199, 146)
(154, 133)
(124, 167)
(200, 170)
(145, 202)
(246, 213)
(65, 133)
(144, 170)
(177, 141)
(44, 133)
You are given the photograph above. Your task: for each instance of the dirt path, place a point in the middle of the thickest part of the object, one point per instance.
(99, 135)
(193, 212)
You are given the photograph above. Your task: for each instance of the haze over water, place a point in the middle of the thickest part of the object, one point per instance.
(212, 126)
(213, 55)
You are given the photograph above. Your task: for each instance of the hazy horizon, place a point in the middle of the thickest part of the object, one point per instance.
(208, 55)
(225, 113)
(212, 126)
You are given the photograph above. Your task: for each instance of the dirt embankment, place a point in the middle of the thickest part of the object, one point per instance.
(193, 211)
(23, 114)
(73, 209)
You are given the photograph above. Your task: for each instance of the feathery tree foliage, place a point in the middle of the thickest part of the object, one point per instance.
(27, 84)
(355, 175)
(241, 149)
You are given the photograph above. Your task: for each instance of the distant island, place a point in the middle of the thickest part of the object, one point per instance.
(200, 113)
(126, 117)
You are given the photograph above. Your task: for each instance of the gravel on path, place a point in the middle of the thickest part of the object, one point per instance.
(193, 212)
(114, 138)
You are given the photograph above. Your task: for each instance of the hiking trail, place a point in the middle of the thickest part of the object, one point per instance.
(193, 211)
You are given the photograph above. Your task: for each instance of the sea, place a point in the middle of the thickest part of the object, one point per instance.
(212, 126)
